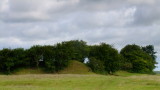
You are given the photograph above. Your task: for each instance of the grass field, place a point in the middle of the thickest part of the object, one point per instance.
(80, 79)
(79, 82)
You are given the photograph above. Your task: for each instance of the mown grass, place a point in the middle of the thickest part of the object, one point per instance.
(79, 82)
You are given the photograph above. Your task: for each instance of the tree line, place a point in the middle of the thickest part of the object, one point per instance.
(103, 58)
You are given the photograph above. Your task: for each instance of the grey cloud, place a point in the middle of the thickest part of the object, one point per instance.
(46, 10)
(147, 15)
(30, 10)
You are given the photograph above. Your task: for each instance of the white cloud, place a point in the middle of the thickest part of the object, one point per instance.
(4, 6)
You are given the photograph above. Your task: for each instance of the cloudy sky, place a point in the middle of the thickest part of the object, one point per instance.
(24, 23)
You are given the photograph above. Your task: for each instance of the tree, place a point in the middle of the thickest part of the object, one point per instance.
(6, 60)
(140, 66)
(150, 50)
(19, 57)
(49, 59)
(61, 56)
(78, 49)
(34, 55)
(97, 66)
(108, 55)
(136, 56)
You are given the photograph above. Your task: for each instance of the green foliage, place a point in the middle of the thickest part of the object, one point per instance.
(19, 56)
(34, 55)
(107, 55)
(140, 66)
(6, 62)
(48, 59)
(61, 56)
(97, 66)
(11, 59)
(77, 49)
(124, 64)
(140, 61)
(150, 50)
(54, 58)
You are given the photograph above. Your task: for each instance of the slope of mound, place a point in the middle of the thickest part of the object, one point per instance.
(76, 67)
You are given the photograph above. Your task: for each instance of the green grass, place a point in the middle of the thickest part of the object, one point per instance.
(80, 79)
(79, 82)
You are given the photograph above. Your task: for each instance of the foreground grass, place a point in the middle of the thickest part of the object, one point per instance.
(79, 82)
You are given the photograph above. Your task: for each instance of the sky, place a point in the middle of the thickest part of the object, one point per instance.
(24, 23)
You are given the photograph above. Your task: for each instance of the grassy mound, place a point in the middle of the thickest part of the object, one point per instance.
(76, 67)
